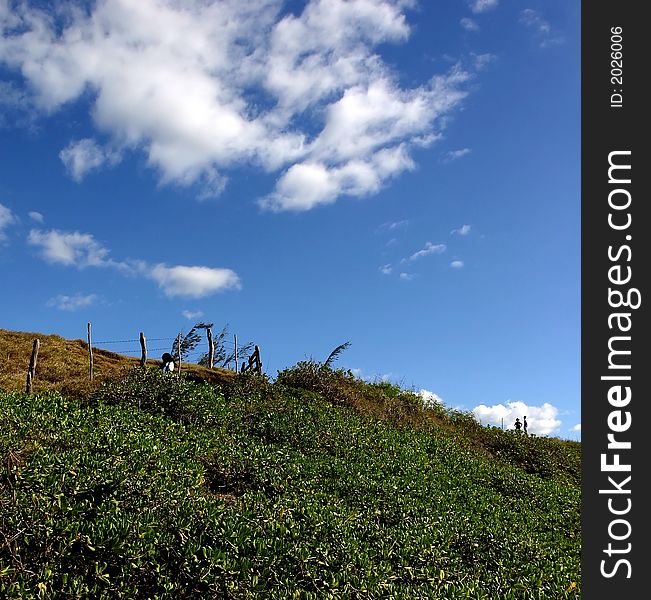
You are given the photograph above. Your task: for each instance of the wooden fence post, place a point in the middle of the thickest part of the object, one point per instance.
(211, 348)
(31, 371)
(179, 350)
(90, 355)
(258, 362)
(143, 347)
(235, 352)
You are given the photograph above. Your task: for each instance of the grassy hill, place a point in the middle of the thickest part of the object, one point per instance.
(315, 485)
(63, 364)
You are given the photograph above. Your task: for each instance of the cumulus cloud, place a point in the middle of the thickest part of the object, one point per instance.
(577, 428)
(480, 6)
(204, 86)
(7, 218)
(86, 155)
(386, 269)
(81, 250)
(71, 303)
(306, 185)
(70, 248)
(428, 249)
(36, 216)
(407, 276)
(193, 282)
(463, 230)
(429, 398)
(542, 420)
(457, 264)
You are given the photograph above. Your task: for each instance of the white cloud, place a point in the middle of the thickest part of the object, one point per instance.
(542, 420)
(81, 250)
(70, 248)
(407, 276)
(481, 61)
(36, 216)
(71, 303)
(480, 6)
(192, 314)
(193, 282)
(393, 225)
(15, 104)
(204, 86)
(457, 264)
(534, 20)
(455, 154)
(386, 269)
(577, 428)
(428, 249)
(7, 218)
(85, 155)
(469, 24)
(429, 398)
(463, 230)
(306, 185)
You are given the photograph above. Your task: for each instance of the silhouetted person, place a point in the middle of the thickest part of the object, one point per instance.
(518, 425)
(525, 425)
(168, 362)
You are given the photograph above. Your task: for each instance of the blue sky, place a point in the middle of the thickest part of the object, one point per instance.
(401, 175)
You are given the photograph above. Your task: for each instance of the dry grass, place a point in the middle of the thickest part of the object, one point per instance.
(63, 364)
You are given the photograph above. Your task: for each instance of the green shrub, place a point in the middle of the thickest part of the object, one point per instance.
(163, 488)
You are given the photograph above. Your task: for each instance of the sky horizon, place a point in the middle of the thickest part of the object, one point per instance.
(401, 175)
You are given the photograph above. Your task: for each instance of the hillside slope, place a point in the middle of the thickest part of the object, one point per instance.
(317, 485)
(63, 364)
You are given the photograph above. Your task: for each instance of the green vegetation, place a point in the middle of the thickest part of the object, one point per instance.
(318, 485)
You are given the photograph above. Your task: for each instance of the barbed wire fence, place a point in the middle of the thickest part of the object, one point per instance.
(230, 355)
(198, 350)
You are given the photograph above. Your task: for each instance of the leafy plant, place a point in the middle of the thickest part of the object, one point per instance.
(334, 355)
(164, 488)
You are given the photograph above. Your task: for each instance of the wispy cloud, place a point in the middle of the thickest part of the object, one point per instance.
(407, 276)
(463, 230)
(203, 87)
(469, 24)
(386, 269)
(84, 156)
(481, 61)
(72, 303)
(542, 29)
(15, 103)
(457, 264)
(428, 249)
(192, 314)
(37, 217)
(393, 225)
(481, 6)
(542, 420)
(81, 250)
(452, 155)
(7, 218)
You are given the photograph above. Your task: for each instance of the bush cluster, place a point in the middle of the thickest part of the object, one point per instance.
(164, 488)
